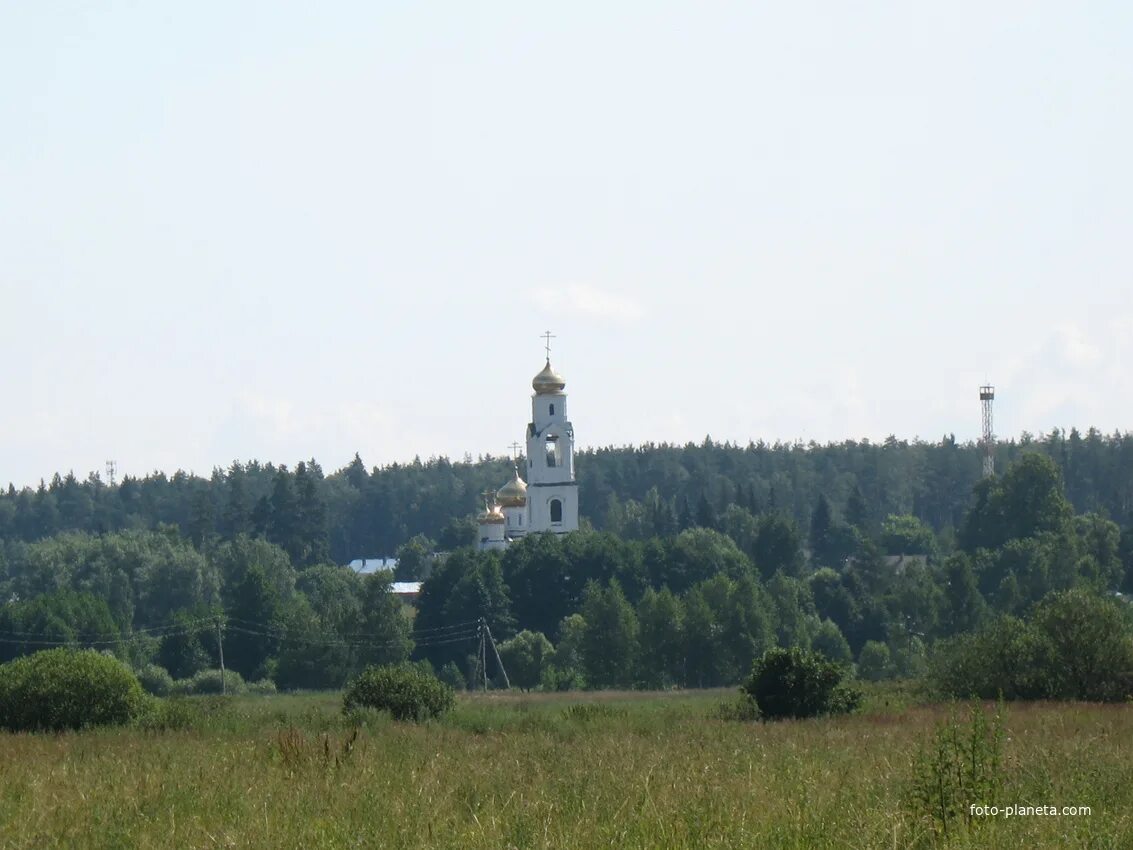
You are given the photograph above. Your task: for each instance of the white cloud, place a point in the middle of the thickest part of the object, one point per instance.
(282, 429)
(1076, 347)
(1073, 376)
(587, 301)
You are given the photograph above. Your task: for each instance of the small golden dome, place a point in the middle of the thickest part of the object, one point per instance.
(494, 516)
(513, 494)
(548, 381)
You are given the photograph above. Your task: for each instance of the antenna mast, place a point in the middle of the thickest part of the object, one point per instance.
(987, 396)
(111, 469)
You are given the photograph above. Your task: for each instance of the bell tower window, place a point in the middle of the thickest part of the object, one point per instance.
(551, 409)
(554, 452)
(556, 511)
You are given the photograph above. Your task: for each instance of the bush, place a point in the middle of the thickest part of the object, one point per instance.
(1088, 646)
(875, 662)
(524, 657)
(406, 692)
(262, 687)
(450, 674)
(797, 683)
(1076, 646)
(1004, 658)
(67, 689)
(830, 643)
(209, 682)
(155, 680)
(562, 679)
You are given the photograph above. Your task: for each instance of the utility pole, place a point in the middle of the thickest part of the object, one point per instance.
(496, 652)
(220, 646)
(484, 653)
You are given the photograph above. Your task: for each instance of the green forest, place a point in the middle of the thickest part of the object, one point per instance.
(693, 560)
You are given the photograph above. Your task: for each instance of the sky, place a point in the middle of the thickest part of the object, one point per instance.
(289, 230)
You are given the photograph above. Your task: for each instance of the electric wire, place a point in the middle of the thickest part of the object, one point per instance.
(435, 636)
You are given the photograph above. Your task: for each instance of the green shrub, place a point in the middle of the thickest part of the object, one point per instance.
(831, 644)
(797, 683)
(262, 687)
(524, 657)
(209, 682)
(562, 679)
(450, 674)
(406, 692)
(155, 680)
(875, 662)
(67, 689)
(1088, 646)
(1076, 645)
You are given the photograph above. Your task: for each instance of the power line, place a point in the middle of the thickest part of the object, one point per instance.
(186, 625)
(78, 639)
(387, 644)
(422, 638)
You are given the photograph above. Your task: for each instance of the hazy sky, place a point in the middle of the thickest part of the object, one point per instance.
(275, 230)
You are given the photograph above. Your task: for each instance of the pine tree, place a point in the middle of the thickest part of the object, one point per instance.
(857, 512)
(821, 524)
(705, 515)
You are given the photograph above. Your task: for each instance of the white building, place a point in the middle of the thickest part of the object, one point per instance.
(368, 566)
(548, 500)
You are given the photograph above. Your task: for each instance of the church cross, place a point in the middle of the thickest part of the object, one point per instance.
(548, 336)
(515, 447)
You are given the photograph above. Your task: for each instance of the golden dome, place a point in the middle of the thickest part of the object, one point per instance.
(494, 516)
(548, 381)
(513, 494)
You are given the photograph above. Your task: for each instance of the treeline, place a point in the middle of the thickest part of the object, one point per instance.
(693, 607)
(696, 609)
(636, 493)
(153, 599)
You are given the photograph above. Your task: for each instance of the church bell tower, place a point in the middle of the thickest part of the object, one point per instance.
(552, 491)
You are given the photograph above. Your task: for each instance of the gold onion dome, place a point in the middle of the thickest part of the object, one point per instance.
(513, 494)
(548, 381)
(492, 516)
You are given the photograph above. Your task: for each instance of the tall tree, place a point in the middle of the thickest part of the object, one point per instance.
(610, 638)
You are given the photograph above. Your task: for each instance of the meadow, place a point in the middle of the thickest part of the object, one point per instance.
(571, 771)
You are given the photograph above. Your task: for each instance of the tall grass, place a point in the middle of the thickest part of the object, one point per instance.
(627, 771)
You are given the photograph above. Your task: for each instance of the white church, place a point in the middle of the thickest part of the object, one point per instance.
(548, 500)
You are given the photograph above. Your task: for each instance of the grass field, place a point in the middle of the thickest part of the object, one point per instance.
(625, 770)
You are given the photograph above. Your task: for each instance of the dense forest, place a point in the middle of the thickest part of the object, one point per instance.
(693, 561)
(634, 492)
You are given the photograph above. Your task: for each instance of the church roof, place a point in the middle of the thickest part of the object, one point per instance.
(548, 381)
(492, 516)
(514, 493)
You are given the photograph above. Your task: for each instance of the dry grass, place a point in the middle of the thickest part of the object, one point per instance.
(645, 771)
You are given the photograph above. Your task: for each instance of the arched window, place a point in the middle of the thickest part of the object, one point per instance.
(552, 409)
(556, 511)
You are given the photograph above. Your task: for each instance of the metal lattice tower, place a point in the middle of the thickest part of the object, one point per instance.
(987, 396)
